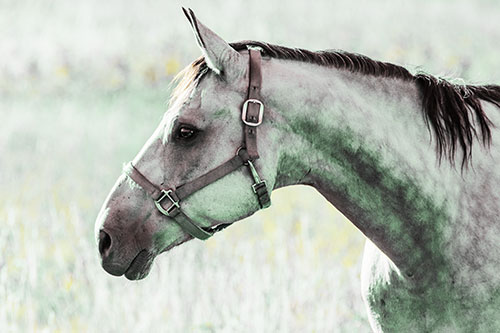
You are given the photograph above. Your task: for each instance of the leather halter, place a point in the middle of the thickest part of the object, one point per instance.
(168, 200)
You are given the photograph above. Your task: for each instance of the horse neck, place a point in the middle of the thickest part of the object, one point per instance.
(362, 142)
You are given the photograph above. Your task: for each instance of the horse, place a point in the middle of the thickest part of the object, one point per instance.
(410, 159)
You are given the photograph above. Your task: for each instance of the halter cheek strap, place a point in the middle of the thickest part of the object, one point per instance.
(168, 200)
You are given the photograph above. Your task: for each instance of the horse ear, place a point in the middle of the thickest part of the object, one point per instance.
(219, 55)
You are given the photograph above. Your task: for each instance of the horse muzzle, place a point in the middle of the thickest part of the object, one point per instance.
(118, 261)
(124, 238)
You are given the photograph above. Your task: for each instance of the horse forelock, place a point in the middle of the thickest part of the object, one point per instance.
(454, 112)
(187, 79)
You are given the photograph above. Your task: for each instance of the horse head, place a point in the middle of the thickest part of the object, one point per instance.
(199, 170)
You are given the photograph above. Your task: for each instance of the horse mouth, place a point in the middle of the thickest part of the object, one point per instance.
(140, 266)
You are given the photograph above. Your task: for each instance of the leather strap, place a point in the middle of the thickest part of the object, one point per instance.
(253, 109)
(176, 213)
(188, 225)
(150, 188)
(263, 195)
(189, 188)
(168, 200)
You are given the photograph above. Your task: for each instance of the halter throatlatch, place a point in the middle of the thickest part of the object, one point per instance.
(168, 200)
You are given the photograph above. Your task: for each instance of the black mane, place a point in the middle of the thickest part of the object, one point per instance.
(454, 112)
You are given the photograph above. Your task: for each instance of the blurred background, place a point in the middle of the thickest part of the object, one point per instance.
(83, 84)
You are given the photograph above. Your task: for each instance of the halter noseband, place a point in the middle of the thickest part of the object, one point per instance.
(252, 115)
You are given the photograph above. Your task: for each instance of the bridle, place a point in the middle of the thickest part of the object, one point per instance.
(252, 115)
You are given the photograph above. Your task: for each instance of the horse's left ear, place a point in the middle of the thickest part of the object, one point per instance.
(219, 55)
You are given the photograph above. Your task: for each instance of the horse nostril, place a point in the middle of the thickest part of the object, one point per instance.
(104, 243)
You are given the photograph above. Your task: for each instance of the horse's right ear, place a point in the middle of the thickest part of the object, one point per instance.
(219, 55)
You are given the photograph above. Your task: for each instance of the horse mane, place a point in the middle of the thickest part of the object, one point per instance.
(453, 111)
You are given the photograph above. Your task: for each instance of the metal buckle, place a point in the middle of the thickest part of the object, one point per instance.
(166, 194)
(256, 177)
(256, 185)
(244, 112)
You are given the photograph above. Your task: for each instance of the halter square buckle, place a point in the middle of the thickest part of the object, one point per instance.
(259, 185)
(166, 194)
(245, 109)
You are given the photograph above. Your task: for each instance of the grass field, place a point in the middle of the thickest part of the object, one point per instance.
(83, 85)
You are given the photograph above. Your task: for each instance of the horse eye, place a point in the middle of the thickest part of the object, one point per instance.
(186, 133)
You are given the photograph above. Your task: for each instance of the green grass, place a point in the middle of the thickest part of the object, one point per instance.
(83, 85)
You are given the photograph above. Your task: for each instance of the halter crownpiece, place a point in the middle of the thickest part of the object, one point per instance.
(168, 200)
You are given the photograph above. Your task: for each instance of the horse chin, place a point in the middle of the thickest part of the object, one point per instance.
(140, 266)
(178, 242)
